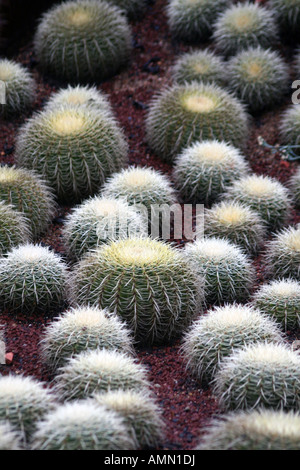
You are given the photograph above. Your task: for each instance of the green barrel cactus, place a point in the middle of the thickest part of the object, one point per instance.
(282, 256)
(14, 229)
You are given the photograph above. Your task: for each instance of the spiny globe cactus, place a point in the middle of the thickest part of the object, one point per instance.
(265, 195)
(140, 413)
(217, 334)
(238, 223)
(258, 77)
(83, 40)
(282, 255)
(294, 184)
(201, 66)
(99, 220)
(82, 329)
(133, 8)
(228, 273)
(257, 375)
(14, 229)
(99, 371)
(74, 148)
(184, 114)
(9, 439)
(254, 430)
(245, 25)
(290, 126)
(23, 401)
(82, 426)
(146, 282)
(287, 14)
(205, 170)
(281, 300)
(28, 193)
(192, 20)
(32, 279)
(19, 88)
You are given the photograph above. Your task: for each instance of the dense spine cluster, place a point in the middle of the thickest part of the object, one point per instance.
(282, 255)
(14, 229)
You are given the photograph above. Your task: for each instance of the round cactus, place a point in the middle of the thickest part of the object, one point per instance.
(32, 279)
(74, 148)
(82, 329)
(287, 14)
(238, 223)
(100, 220)
(132, 8)
(192, 20)
(14, 229)
(83, 40)
(228, 273)
(245, 25)
(217, 334)
(82, 426)
(146, 282)
(19, 88)
(290, 126)
(205, 170)
(257, 375)
(254, 430)
(282, 256)
(23, 401)
(258, 77)
(184, 114)
(295, 187)
(265, 195)
(140, 413)
(9, 439)
(29, 194)
(281, 300)
(201, 66)
(99, 371)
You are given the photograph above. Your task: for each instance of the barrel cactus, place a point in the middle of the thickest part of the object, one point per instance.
(14, 229)
(83, 40)
(287, 14)
(290, 127)
(9, 439)
(282, 255)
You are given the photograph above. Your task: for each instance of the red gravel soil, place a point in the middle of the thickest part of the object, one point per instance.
(187, 406)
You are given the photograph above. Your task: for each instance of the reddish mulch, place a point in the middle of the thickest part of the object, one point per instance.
(187, 406)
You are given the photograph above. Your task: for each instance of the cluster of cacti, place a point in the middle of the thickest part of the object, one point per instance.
(192, 20)
(100, 220)
(74, 148)
(19, 91)
(14, 229)
(9, 439)
(287, 14)
(140, 413)
(290, 126)
(201, 66)
(83, 40)
(99, 371)
(281, 300)
(259, 77)
(32, 279)
(82, 426)
(224, 329)
(238, 223)
(132, 8)
(146, 282)
(228, 273)
(265, 195)
(262, 374)
(183, 114)
(205, 170)
(282, 255)
(29, 194)
(82, 329)
(295, 188)
(254, 430)
(245, 25)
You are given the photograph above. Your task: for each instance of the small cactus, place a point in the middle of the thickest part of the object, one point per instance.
(228, 273)
(19, 88)
(140, 413)
(290, 127)
(32, 279)
(82, 329)
(282, 255)
(224, 329)
(287, 14)
(295, 188)
(83, 40)
(205, 170)
(146, 282)
(259, 375)
(9, 439)
(74, 148)
(266, 196)
(99, 371)
(184, 114)
(14, 229)
(82, 426)
(245, 25)
(281, 300)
